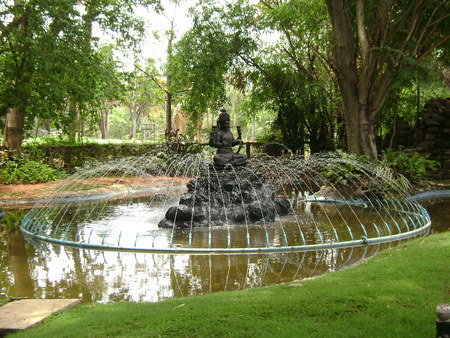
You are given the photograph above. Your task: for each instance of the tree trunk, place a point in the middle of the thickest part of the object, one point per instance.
(103, 123)
(367, 132)
(253, 128)
(355, 88)
(73, 124)
(15, 121)
(15, 117)
(168, 113)
(198, 128)
(80, 119)
(170, 37)
(134, 117)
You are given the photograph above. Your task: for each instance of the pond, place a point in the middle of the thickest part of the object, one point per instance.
(48, 271)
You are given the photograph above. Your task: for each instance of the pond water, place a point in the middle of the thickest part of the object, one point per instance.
(48, 271)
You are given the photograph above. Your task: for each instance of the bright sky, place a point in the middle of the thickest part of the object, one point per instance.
(158, 23)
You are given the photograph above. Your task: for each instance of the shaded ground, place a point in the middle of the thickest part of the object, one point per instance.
(24, 195)
(16, 196)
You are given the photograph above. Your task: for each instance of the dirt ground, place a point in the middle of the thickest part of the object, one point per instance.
(16, 196)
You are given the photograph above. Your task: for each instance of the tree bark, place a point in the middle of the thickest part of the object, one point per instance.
(168, 112)
(171, 37)
(103, 123)
(72, 111)
(134, 117)
(354, 88)
(15, 120)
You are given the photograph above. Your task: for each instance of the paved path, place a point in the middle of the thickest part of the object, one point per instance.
(26, 313)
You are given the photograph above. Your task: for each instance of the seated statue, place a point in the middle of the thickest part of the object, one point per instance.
(222, 139)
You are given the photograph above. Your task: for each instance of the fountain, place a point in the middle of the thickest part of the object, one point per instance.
(171, 203)
(225, 191)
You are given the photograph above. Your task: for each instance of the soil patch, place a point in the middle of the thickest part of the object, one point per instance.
(22, 195)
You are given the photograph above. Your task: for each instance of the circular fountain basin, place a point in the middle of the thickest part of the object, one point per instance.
(342, 209)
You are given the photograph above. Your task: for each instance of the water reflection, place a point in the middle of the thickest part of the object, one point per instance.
(106, 276)
(135, 225)
(47, 271)
(18, 263)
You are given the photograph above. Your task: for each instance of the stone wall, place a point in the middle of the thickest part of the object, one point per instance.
(432, 134)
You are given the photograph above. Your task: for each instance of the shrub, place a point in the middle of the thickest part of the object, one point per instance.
(407, 163)
(23, 170)
(343, 168)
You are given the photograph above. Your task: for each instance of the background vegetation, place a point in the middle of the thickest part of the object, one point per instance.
(276, 65)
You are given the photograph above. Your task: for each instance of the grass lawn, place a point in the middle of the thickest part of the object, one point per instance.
(394, 294)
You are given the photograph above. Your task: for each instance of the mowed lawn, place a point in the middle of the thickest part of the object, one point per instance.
(394, 294)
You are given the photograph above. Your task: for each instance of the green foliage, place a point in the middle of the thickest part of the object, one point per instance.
(408, 96)
(270, 137)
(23, 170)
(284, 78)
(69, 157)
(49, 58)
(345, 169)
(119, 123)
(145, 95)
(393, 294)
(388, 178)
(409, 164)
(10, 221)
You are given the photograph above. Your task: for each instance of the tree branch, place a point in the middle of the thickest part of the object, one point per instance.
(428, 25)
(434, 47)
(153, 78)
(362, 35)
(412, 25)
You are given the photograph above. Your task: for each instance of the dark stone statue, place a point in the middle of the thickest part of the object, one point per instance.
(222, 139)
(226, 192)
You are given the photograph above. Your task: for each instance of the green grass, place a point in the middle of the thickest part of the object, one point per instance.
(391, 295)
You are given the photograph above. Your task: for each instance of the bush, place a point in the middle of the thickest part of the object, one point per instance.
(23, 170)
(407, 163)
(343, 168)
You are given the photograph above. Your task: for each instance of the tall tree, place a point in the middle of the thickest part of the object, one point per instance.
(294, 81)
(203, 58)
(110, 89)
(44, 49)
(358, 48)
(144, 92)
(33, 35)
(372, 42)
(225, 45)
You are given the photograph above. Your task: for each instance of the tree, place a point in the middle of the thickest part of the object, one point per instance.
(144, 93)
(48, 56)
(201, 60)
(359, 49)
(290, 79)
(225, 45)
(372, 42)
(110, 89)
(33, 38)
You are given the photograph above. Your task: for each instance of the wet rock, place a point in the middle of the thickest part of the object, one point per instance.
(430, 136)
(228, 196)
(165, 224)
(237, 214)
(282, 206)
(187, 199)
(258, 211)
(179, 213)
(229, 185)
